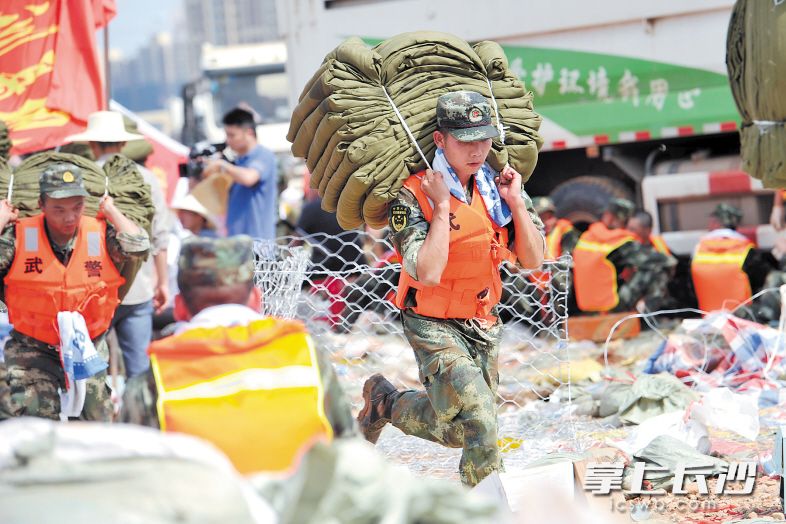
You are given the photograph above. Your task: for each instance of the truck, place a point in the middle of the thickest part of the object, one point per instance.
(251, 74)
(634, 96)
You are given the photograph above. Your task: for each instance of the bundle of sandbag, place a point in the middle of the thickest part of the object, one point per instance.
(119, 177)
(5, 141)
(757, 73)
(347, 128)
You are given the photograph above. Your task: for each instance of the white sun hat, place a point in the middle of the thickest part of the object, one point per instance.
(190, 203)
(104, 126)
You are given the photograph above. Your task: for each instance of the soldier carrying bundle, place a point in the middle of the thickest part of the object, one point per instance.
(425, 103)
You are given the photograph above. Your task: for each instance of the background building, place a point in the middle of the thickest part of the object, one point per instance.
(146, 80)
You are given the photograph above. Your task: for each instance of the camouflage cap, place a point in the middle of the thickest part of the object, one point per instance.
(622, 208)
(216, 261)
(62, 180)
(728, 215)
(543, 204)
(466, 115)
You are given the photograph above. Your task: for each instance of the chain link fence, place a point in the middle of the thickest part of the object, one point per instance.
(342, 287)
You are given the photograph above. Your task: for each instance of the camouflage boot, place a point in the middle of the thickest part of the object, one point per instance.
(378, 395)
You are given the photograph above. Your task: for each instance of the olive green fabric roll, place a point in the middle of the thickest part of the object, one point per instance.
(119, 175)
(5, 141)
(354, 143)
(756, 46)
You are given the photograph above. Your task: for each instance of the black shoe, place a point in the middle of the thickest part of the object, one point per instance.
(376, 411)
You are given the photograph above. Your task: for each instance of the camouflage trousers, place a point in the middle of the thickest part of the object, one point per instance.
(652, 285)
(35, 373)
(458, 367)
(767, 307)
(5, 394)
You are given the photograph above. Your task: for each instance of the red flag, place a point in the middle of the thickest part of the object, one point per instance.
(50, 78)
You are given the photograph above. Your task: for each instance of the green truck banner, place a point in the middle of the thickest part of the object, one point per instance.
(596, 95)
(588, 98)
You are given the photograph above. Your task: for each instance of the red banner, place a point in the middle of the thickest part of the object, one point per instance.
(50, 78)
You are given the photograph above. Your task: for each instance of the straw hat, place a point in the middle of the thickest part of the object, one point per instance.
(190, 203)
(213, 193)
(104, 126)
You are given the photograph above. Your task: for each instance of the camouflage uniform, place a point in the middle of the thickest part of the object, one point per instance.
(767, 308)
(5, 394)
(215, 263)
(457, 359)
(650, 276)
(34, 370)
(642, 272)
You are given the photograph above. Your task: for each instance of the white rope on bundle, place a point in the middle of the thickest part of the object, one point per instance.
(500, 128)
(406, 127)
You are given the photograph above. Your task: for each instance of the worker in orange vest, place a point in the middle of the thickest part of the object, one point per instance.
(453, 226)
(257, 387)
(612, 271)
(561, 236)
(727, 269)
(61, 261)
(640, 224)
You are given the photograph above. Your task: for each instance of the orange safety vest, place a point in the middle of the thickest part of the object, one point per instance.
(659, 245)
(254, 391)
(554, 239)
(542, 279)
(717, 273)
(594, 275)
(470, 285)
(38, 286)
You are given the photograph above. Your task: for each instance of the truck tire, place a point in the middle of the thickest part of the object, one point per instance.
(582, 199)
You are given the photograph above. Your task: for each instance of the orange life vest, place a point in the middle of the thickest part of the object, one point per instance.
(594, 275)
(38, 286)
(554, 239)
(470, 285)
(659, 245)
(542, 279)
(717, 273)
(254, 391)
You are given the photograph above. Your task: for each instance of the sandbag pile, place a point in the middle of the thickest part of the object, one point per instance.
(119, 176)
(5, 141)
(356, 147)
(757, 73)
(136, 150)
(5, 170)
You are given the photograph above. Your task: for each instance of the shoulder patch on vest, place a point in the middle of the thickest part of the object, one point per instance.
(399, 217)
(31, 239)
(94, 244)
